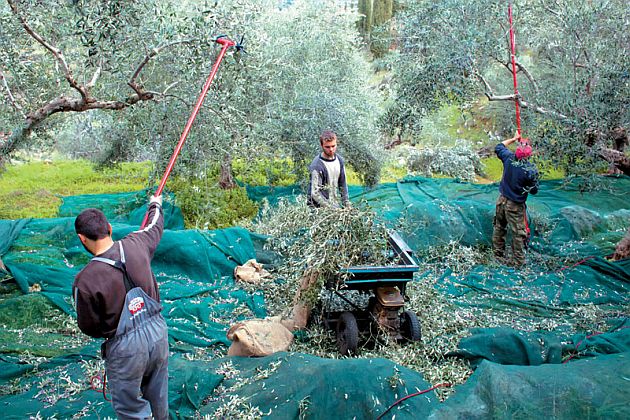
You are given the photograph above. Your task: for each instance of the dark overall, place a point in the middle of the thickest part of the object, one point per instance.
(136, 358)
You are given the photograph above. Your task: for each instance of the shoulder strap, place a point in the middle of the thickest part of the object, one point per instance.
(129, 284)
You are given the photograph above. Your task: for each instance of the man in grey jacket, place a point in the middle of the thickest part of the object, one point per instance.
(327, 187)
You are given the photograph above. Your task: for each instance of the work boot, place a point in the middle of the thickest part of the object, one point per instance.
(500, 259)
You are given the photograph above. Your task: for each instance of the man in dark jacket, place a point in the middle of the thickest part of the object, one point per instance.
(520, 178)
(327, 187)
(117, 298)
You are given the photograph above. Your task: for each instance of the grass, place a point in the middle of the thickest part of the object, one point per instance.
(35, 189)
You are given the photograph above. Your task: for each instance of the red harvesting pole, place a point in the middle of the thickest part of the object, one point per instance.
(513, 54)
(225, 43)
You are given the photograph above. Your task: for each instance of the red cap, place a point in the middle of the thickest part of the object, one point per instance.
(523, 151)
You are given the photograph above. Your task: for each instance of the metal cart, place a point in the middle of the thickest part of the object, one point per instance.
(385, 288)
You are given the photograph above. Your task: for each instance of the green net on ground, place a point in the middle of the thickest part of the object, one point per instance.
(441, 210)
(47, 365)
(593, 388)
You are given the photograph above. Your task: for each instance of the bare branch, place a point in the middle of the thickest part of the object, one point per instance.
(169, 87)
(581, 44)
(95, 77)
(550, 10)
(155, 51)
(519, 67)
(487, 88)
(56, 52)
(9, 94)
(159, 95)
(165, 94)
(527, 74)
(492, 97)
(541, 110)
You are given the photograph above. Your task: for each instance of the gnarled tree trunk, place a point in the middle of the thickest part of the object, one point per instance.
(226, 179)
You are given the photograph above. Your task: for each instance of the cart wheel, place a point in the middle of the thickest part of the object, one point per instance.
(347, 334)
(410, 326)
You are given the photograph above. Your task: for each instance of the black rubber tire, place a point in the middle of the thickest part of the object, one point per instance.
(347, 334)
(410, 326)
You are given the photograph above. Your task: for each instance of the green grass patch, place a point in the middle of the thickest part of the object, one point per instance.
(492, 168)
(276, 172)
(35, 189)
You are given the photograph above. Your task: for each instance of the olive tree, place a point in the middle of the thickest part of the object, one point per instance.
(315, 77)
(304, 71)
(63, 59)
(130, 72)
(572, 63)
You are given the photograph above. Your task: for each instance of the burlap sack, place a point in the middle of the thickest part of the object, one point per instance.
(259, 337)
(302, 310)
(251, 272)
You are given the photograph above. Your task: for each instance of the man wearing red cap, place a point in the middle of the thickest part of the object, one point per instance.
(520, 178)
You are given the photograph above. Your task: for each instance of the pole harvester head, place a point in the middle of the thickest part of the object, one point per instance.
(224, 41)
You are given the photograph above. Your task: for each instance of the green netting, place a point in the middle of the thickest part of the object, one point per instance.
(595, 281)
(291, 386)
(194, 269)
(440, 210)
(127, 208)
(594, 388)
(507, 346)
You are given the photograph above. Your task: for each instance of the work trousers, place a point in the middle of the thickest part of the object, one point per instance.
(509, 214)
(137, 371)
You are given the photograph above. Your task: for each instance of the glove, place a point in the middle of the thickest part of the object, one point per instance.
(156, 199)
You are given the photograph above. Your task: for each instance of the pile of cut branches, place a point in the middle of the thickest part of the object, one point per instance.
(322, 240)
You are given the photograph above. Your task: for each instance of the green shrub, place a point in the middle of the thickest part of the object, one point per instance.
(206, 206)
(459, 161)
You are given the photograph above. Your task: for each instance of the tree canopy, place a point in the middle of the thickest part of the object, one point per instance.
(304, 70)
(573, 68)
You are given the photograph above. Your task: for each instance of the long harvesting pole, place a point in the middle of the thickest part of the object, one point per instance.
(513, 54)
(225, 43)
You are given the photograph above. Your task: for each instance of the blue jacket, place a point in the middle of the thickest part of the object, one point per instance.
(519, 177)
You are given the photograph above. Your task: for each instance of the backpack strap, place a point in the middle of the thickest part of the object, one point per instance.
(129, 284)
